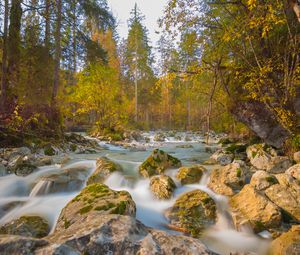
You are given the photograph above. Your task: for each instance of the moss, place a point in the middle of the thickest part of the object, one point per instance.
(67, 223)
(236, 148)
(271, 180)
(96, 188)
(73, 147)
(259, 226)
(254, 153)
(49, 151)
(120, 209)
(85, 209)
(238, 172)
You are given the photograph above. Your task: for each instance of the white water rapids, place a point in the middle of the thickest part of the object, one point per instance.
(35, 195)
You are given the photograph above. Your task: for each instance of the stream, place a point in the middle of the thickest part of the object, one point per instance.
(32, 195)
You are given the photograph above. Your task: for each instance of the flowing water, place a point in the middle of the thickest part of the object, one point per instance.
(40, 194)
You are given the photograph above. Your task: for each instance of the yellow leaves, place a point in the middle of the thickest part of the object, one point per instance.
(251, 4)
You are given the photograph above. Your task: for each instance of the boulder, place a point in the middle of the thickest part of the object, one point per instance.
(157, 163)
(118, 234)
(9, 154)
(189, 175)
(192, 212)
(251, 207)
(297, 156)
(229, 179)
(222, 157)
(66, 181)
(93, 201)
(288, 243)
(262, 180)
(30, 226)
(286, 195)
(159, 138)
(162, 186)
(265, 158)
(24, 169)
(10, 244)
(294, 171)
(104, 168)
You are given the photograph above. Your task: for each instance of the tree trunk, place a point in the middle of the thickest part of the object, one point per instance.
(47, 24)
(57, 50)
(14, 42)
(136, 95)
(208, 116)
(4, 60)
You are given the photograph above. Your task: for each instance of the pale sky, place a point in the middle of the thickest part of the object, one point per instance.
(151, 9)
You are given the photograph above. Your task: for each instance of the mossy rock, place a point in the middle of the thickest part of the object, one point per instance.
(30, 226)
(49, 151)
(189, 175)
(236, 148)
(157, 163)
(192, 212)
(95, 200)
(162, 186)
(105, 168)
(24, 169)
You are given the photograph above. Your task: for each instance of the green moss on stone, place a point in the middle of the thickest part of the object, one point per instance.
(85, 209)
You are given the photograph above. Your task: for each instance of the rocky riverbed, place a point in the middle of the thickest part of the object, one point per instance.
(154, 193)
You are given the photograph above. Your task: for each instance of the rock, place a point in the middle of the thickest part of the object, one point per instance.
(118, 234)
(185, 146)
(43, 161)
(192, 212)
(210, 161)
(294, 171)
(162, 186)
(93, 201)
(12, 153)
(229, 179)
(104, 168)
(286, 195)
(251, 207)
(24, 169)
(265, 158)
(262, 180)
(3, 170)
(157, 163)
(288, 243)
(297, 156)
(159, 138)
(10, 245)
(222, 157)
(29, 226)
(66, 181)
(189, 175)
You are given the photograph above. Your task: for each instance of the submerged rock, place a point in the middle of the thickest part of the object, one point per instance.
(189, 175)
(94, 201)
(192, 212)
(162, 186)
(265, 158)
(288, 243)
(105, 168)
(286, 195)
(30, 226)
(117, 234)
(157, 163)
(251, 207)
(229, 179)
(66, 181)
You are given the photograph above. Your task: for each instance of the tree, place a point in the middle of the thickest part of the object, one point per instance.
(137, 58)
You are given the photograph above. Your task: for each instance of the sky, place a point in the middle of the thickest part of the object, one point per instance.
(152, 9)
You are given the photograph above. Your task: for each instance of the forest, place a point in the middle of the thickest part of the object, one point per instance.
(93, 125)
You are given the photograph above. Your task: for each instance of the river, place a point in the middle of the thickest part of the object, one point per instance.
(31, 195)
